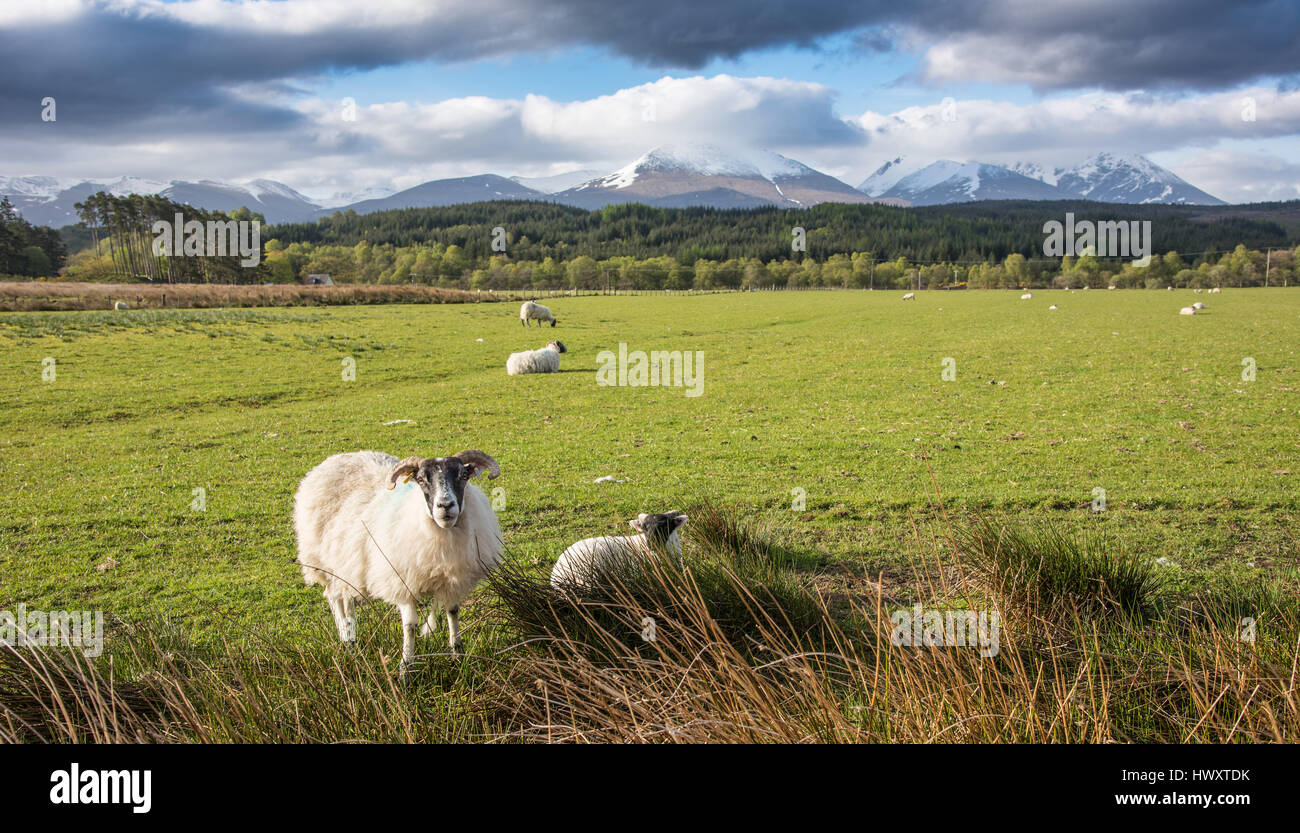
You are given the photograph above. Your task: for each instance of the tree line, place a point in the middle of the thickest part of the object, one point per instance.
(27, 250)
(122, 241)
(985, 232)
(529, 245)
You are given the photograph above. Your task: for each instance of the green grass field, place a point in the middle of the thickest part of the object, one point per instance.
(839, 394)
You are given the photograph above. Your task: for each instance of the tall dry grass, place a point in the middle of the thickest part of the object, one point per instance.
(35, 296)
(741, 651)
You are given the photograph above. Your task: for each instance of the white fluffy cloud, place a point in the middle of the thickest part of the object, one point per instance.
(400, 144)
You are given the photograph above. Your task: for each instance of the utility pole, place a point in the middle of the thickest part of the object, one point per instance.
(1268, 263)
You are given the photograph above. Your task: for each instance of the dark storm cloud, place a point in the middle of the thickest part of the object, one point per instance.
(136, 65)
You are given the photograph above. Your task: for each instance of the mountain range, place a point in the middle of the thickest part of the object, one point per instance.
(667, 176)
(1104, 177)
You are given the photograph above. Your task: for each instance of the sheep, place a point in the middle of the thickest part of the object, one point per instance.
(121, 305)
(583, 562)
(911, 296)
(545, 360)
(1187, 311)
(1053, 306)
(1214, 290)
(1198, 306)
(1026, 296)
(361, 537)
(1112, 286)
(533, 311)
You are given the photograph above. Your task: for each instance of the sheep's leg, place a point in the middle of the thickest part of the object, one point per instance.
(430, 624)
(337, 607)
(410, 628)
(453, 629)
(350, 619)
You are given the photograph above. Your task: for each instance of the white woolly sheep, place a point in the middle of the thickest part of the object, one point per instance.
(362, 538)
(1198, 306)
(1187, 311)
(1214, 290)
(121, 305)
(1026, 296)
(1112, 286)
(533, 311)
(911, 296)
(545, 360)
(1053, 306)
(582, 563)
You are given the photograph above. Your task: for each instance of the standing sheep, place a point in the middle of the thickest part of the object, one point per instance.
(545, 360)
(533, 311)
(911, 296)
(361, 536)
(582, 563)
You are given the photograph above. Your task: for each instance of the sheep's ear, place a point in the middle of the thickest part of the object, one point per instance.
(405, 469)
(677, 519)
(480, 462)
(638, 523)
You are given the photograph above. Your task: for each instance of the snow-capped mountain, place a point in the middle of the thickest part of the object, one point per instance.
(274, 200)
(1105, 177)
(49, 201)
(1129, 178)
(888, 175)
(556, 182)
(703, 174)
(945, 181)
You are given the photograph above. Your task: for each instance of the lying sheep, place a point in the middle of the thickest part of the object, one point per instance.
(1027, 296)
(1187, 311)
(361, 536)
(545, 360)
(121, 305)
(1198, 306)
(582, 563)
(533, 311)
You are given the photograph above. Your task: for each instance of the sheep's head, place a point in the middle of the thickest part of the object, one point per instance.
(660, 529)
(558, 345)
(554, 321)
(443, 481)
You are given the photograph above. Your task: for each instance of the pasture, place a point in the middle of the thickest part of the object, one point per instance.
(151, 476)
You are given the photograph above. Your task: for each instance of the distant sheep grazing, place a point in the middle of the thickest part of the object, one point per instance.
(911, 296)
(582, 563)
(1187, 311)
(533, 311)
(435, 538)
(545, 360)
(1026, 296)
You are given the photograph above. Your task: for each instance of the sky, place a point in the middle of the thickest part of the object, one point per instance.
(336, 96)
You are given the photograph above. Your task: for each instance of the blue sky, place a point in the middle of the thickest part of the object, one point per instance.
(237, 89)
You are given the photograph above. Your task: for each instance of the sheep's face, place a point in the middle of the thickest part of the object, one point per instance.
(443, 480)
(661, 529)
(558, 345)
